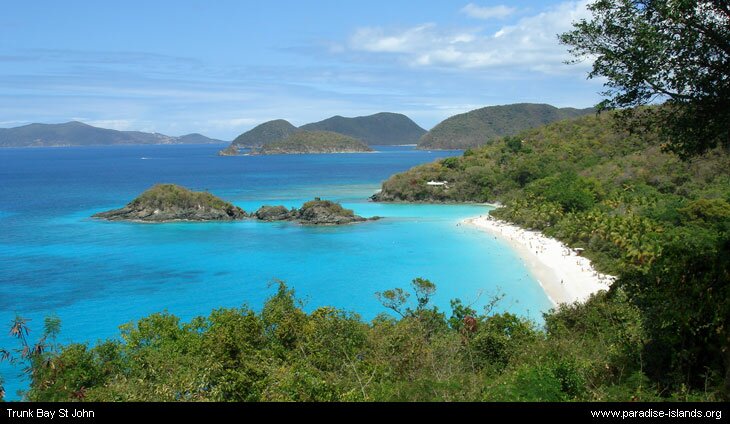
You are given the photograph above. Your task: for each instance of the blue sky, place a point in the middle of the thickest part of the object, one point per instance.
(221, 67)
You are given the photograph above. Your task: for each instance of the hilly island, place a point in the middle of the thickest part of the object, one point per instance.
(79, 134)
(265, 133)
(383, 128)
(306, 142)
(471, 129)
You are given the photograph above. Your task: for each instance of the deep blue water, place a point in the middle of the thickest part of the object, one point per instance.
(98, 275)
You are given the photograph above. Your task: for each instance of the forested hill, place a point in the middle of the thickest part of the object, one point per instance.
(383, 128)
(79, 134)
(660, 224)
(479, 126)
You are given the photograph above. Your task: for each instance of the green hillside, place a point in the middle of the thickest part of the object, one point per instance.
(313, 142)
(660, 224)
(265, 133)
(379, 129)
(480, 126)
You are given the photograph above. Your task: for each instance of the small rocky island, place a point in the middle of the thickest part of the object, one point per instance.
(231, 150)
(314, 212)
(173, 203)
(303, 142)
(170, 202)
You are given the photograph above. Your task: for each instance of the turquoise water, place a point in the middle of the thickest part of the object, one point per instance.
(98, 275)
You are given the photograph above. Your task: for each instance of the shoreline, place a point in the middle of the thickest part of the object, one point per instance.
(564, 276)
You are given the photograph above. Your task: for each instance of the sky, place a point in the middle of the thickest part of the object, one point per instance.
(222, 67)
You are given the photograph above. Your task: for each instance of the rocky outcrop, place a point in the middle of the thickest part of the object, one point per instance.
(383, 196)
(325, 212)
(170, 202)
(273, 213)
(315, 212)
(231, 150)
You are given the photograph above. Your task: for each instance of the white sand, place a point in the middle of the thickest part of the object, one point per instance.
(565, 276)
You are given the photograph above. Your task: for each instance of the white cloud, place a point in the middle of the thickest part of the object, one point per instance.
(113, 124)
(376, 39)
(487, 12)
(236, 122)
(530, 44)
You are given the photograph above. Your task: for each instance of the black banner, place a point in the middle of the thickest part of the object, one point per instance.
(485, 412)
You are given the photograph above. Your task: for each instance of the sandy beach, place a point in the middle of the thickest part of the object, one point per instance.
(565, 276)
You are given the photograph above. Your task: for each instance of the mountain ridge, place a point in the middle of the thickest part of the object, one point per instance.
(383, 128)
(76, 133)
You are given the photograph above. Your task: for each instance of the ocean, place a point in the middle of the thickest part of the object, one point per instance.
(95, 275)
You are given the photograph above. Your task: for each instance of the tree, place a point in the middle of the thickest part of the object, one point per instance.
(34, 356)
(672, 50)
(396, 299)
(684, 298)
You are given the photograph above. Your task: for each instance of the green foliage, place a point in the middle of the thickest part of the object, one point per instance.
(499, 338)
(458, 313)
(514, 144)
(572, 192)
(662, 49)
(710, 211)
(31, 355)
(688, 329)
(527, 384)
(333, 207)
(163, 196)
(658, 223)
(589, 351)
(397, 299)
(577, 148)
(451, 163)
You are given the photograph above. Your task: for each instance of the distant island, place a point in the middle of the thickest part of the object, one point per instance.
(170, 202)
(231, 150)
(76, 133)
(303, 142)
(174, 203)
(480, 126)
(383, 128)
